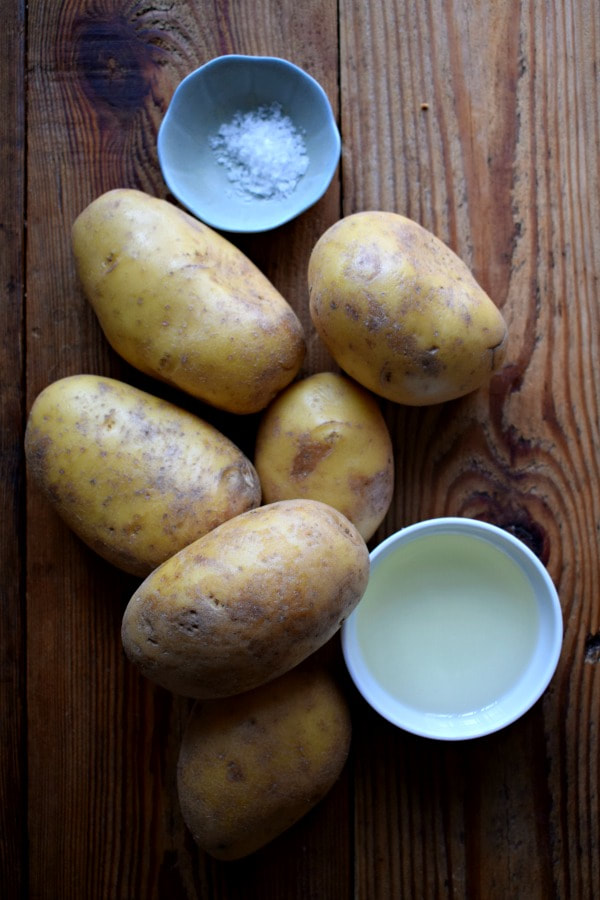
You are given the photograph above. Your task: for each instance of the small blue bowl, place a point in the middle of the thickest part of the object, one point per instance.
(211, 97)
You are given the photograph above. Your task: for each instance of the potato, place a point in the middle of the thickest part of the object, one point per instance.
(135, 477)
(248, 601)
(182, 304)
(325, 438)
(252, 765)
(400, 312)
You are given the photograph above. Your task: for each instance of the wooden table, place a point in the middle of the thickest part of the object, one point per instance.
(482, 122)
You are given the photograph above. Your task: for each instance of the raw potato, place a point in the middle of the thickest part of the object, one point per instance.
(253, 765)
(325, 438)
(400, 312)
(248, 601)
(135, 477)
(181, 303)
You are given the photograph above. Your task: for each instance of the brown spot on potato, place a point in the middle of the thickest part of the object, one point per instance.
(248, 610)
(310, 453)
(375, 491)
(234, 771)
(385, 375)
(377, 317)
(417, 360)
(429, 361)
(133, 527)
(109, 420)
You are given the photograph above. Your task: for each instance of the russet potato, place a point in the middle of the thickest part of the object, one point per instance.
(400, 312)
(181, 303)
(324, 437)
(248, 601)
(252, 765)
(135, 477)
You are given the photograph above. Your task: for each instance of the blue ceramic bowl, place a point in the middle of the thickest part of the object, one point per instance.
(213, 96)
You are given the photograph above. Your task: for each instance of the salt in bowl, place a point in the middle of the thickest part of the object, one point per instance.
(241, 130)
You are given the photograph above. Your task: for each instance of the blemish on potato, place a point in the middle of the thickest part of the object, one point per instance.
(375, 490)
(310, 453)
(133, 527)
(234, 771)
(385, 376)
(188, 622)
(377, 317)
(363, 265)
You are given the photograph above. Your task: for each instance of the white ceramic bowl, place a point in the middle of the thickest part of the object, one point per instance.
(209, 98)
(459, 631)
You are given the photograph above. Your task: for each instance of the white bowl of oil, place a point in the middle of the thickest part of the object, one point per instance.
(459, 631)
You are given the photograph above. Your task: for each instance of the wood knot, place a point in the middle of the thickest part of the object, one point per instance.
(115, 62)
(531, 534)
(516, 520)
(592, 648)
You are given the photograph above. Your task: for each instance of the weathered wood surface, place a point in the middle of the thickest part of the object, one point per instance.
(481, 121)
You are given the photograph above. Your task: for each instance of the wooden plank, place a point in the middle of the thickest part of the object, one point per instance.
(103, 813)
(13, 822)
(481, 121)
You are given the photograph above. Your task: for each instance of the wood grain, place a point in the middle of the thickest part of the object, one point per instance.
(482, 122)
(13, 774)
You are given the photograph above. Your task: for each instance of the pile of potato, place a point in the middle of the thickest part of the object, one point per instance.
(249, 567)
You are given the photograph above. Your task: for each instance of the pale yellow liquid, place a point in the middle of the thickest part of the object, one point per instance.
(448, 623)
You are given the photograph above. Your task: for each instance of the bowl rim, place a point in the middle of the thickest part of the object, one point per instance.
(431, 724)
(252, 58)
(305, 201)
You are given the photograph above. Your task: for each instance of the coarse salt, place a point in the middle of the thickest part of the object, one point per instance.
(263, 153)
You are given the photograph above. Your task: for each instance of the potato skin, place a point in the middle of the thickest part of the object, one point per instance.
(135, 477)
(182, 304)
(324, 438)
(248, 601)
(400, 312)
(252, 765)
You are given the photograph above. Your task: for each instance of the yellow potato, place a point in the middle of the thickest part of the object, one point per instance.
(400, 312)
(325, 438)
(181, 303)
(252, 765)
(248, 601)
(135, 477)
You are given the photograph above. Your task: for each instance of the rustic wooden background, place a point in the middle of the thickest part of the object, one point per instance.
(480, 120)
